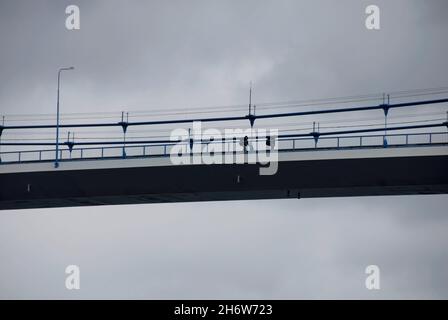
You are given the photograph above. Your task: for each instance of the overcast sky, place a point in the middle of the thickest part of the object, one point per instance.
(144, 55)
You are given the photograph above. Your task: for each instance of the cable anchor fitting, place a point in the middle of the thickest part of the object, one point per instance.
(252, 119)
(386, 107)
(70, 144)
(124, 124)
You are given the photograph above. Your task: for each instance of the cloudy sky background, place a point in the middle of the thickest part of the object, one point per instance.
(145, 55)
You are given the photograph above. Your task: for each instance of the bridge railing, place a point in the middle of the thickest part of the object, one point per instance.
(284, 144)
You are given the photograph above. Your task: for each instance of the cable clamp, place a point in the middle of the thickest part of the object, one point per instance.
(251, 118)
(385, 108)
(70, 145)
(124, 125)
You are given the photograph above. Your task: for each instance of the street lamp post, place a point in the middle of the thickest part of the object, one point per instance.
(56, 162)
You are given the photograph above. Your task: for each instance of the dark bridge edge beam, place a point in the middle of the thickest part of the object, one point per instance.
(292, 194)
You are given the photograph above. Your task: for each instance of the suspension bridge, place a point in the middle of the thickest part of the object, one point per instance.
(360, 159)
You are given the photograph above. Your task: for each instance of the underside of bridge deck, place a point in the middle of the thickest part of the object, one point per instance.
(294, 179)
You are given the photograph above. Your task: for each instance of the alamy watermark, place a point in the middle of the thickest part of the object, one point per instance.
(73, 21)
(373, 18)
(73, 280)
(373, 278)
(230, 146)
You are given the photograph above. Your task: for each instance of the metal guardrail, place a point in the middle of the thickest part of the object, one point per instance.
(284, 144)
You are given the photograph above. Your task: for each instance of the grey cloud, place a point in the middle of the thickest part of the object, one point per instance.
(152, 54)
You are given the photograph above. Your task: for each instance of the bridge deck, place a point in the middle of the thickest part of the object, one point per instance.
(301, 174)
